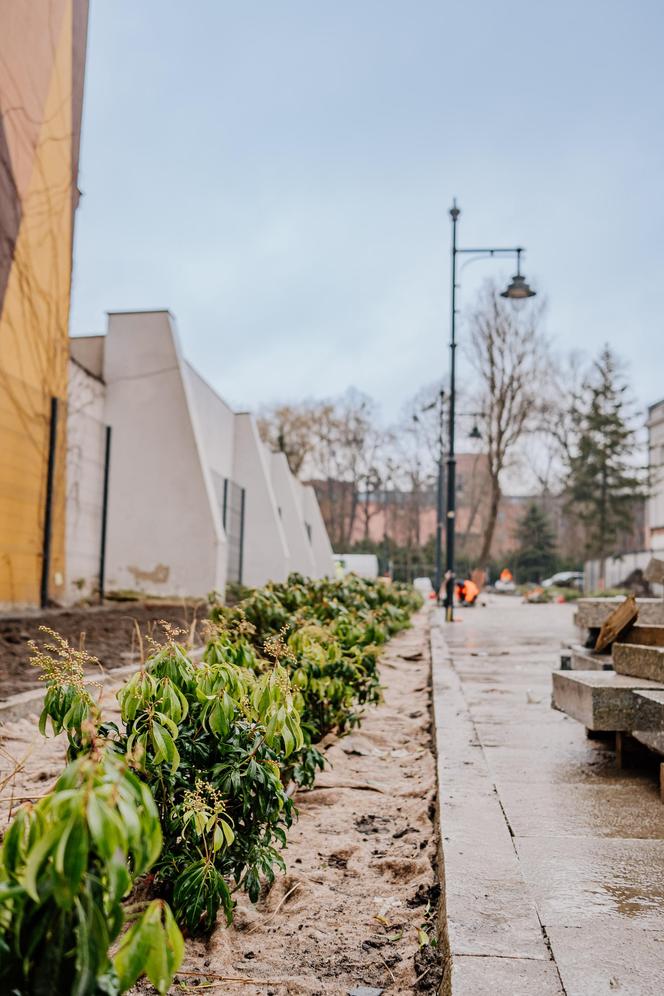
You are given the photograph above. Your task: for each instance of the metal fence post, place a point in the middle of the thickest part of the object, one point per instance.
(48, 508)
(104, 516)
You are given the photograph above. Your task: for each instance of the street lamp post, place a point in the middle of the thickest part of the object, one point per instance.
(440, 489)
(439, 498)
(517, 290)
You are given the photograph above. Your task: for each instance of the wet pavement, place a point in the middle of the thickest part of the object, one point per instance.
(554, 859)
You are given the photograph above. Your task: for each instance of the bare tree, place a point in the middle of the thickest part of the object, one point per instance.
(338, 445)
(509, 354)
(416, 445)
(346, 455)
(291, 429)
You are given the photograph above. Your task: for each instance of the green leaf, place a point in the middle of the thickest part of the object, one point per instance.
(132, 955)
(153, 946)
(35, 859)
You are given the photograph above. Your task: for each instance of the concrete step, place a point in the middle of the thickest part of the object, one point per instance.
(645, 636)
(578, 658)
(649, 710)
(591, 612)
(650, 720)
(601, 700)
(639, 661)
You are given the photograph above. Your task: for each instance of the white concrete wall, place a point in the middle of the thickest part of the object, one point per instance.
(215, 420)
(86, 444)
(287, 491)
(320, 541)
(617, 569)
(655, 505)
(174, 442)
(266, 552)
(164, 526)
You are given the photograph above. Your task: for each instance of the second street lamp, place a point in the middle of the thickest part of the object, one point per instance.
(440, 404)
(517, 290)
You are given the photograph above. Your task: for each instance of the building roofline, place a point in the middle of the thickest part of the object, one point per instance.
(77, 363)
(141, 311)
(209, 386)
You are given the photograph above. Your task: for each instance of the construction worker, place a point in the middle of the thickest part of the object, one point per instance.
(467, 592)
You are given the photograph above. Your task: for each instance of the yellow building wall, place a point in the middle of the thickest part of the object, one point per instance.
(40, 116)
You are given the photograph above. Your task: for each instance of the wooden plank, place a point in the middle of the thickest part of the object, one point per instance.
(622, 618)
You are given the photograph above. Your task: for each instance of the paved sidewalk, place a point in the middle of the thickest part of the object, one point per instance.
(554, 860)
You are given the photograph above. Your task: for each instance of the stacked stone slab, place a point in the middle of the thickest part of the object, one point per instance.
(628, 699)
(578, 658)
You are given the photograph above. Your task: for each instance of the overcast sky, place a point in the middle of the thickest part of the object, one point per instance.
(278, 174)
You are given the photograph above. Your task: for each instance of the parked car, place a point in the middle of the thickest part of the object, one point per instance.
(504, 587)
(565, 579)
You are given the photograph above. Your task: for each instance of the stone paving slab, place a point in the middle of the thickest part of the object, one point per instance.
(588, 839)
(505, 977)
(581, 881)
(543, 736)
(490, 915)
(619, 808)
(622, 960)
(586, 761)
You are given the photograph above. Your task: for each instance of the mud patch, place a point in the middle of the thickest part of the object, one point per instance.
(108, 633)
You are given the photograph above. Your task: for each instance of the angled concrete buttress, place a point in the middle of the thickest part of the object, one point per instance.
(266, 553)
(320, 541)
(164, 527)
(290, 511)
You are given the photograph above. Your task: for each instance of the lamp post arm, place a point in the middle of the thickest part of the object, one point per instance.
(514, 251)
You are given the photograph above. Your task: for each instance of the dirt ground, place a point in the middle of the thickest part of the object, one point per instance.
(358, 903)
(361, 863)
(108, 633)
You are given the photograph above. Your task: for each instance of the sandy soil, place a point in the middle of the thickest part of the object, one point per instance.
(108, 633)
(361, 858)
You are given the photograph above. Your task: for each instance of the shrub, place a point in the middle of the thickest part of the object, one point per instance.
(327, 635)
(65, 866)
(211, 741)
(216, 743)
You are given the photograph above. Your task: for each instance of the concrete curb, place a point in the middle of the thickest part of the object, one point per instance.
(493, 935)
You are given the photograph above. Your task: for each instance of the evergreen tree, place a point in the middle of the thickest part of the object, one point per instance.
(604, 482)
(535, 557)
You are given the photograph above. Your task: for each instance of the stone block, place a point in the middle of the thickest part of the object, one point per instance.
(639, 661)
(583, 659)
(645, 636)
(649, 706)
(601, 700)
(591, 612)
